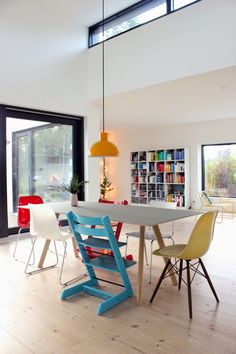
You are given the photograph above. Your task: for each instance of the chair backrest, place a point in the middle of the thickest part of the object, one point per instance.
(201, 236)
(119, 202)
(83, 227)
(162, 204)
(204, 199)
(119, 225)
(44, 222)
(23, 215)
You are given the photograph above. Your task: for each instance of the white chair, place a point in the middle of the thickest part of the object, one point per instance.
(219, 204)
(44, 224)
(149, 234)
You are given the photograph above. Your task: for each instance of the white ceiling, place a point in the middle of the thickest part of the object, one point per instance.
(202, 97)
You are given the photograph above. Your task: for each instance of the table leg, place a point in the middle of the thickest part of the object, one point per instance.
(161, 243)
(44, 253)
(140, 265)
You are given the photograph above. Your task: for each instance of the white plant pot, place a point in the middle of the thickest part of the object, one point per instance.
(74, 199)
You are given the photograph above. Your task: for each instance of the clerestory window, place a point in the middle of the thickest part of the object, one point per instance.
(134, 16)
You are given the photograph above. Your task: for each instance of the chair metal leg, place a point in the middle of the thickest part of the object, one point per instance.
(172, 232)
(16, 244)
(43, 268)
(160, 280)
(126, 246)
(62, 263)
(62, 267)
(150, 269)
(145, 250)
(180, 273)
(189, 289)
(208, 279)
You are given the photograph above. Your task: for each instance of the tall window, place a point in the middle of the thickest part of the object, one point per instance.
(219, 169)
(133, 16)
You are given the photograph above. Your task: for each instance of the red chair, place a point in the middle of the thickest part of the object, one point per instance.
(117, 226)
(23, 215)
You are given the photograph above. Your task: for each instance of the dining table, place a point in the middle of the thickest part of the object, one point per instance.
(142, 216)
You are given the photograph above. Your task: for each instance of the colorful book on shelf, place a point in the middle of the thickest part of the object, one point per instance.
(160, 167)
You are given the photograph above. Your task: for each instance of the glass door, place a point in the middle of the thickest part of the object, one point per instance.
(42, 161)
(42, 151)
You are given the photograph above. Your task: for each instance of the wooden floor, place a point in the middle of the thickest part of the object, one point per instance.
(33, 319)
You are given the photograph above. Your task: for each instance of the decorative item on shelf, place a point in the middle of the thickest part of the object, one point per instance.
(103, 147)
(105, 187)
(73, 187)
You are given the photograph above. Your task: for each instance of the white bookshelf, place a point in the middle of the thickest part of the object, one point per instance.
(160, 175)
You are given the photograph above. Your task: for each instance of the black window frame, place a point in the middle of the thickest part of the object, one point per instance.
(203, 165)
(17, 112)
(140, 6)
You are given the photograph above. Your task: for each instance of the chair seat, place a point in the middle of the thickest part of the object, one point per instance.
(148, 235)
(169, 251)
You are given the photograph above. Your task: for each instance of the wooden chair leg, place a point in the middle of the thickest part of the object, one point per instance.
(208, 279)
(160, 280)
(180, 273)
(189, 290)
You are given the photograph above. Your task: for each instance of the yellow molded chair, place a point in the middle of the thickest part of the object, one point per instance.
(221, 206)
(197, 246)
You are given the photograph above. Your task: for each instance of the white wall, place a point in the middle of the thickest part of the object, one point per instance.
(43, 65)
(190, 136)
(194, 40)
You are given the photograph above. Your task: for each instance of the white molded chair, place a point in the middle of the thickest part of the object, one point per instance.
(149, 234)
(44, 224)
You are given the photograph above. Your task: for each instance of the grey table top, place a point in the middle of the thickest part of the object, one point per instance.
(131, 214)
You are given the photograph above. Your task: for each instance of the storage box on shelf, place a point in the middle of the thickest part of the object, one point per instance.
(160, 174)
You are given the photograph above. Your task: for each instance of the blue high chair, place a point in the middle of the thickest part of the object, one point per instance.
(97, 232)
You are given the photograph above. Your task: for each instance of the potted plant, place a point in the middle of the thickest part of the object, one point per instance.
(105, 187)
(73, 187)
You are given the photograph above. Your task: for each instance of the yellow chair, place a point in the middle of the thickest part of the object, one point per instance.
(221, 206)
(197, 246)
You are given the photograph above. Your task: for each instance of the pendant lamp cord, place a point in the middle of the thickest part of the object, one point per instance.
(103, 68)
(103, 82)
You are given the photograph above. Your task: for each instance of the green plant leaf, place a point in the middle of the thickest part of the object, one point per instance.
(74, 185)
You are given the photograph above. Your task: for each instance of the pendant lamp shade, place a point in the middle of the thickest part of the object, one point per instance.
(103, 147)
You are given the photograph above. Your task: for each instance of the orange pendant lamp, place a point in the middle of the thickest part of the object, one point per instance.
(103, 147)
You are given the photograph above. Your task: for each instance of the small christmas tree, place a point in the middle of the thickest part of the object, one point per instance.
(105, 187)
